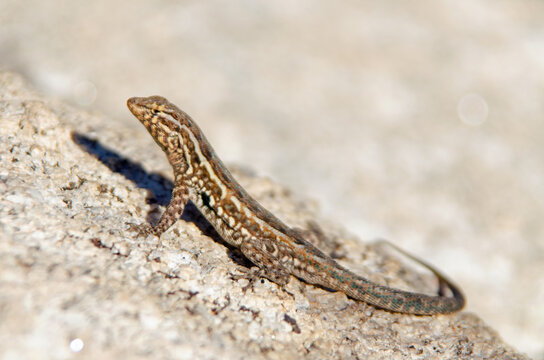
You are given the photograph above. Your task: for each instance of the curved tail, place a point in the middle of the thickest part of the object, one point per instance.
(339, 278)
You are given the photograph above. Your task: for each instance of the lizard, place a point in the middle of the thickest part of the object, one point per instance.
(276, 249)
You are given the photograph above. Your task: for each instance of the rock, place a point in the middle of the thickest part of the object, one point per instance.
(77, 275)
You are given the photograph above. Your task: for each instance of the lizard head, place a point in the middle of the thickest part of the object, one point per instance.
(173, 130)
(162, 119)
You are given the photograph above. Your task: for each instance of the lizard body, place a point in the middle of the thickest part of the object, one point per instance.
(278, 250)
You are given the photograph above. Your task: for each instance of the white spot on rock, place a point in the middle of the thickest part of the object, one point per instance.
(76, 345)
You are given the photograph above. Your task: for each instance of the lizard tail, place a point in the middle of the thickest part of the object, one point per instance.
(359, 288)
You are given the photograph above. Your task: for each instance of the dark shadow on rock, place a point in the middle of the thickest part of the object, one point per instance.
(159, 187)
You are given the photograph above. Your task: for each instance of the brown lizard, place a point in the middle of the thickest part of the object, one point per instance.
(278, 250)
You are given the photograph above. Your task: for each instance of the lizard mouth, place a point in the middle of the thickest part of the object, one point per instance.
(152, 104)
(132, 101)
(133, 105)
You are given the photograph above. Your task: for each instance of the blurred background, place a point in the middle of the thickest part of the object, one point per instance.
(418, 121)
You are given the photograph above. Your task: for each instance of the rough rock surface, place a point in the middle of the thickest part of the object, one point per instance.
(416, 121)
(75, 271)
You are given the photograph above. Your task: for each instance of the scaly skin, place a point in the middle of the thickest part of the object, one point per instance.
(276, 249)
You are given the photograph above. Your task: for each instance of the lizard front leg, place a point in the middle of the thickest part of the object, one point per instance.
(180, 196)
